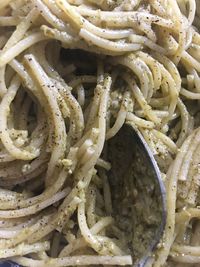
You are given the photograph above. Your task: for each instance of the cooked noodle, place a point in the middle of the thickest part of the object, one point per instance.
(71, 74)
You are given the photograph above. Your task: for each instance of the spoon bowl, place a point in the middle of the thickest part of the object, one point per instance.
(138, 193)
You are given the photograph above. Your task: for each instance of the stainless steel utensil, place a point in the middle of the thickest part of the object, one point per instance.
(138, 193)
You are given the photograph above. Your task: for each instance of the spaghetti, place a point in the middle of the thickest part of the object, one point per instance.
(71, 74)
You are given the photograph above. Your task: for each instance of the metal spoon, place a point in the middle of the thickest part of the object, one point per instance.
(138, 193)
